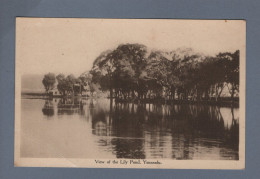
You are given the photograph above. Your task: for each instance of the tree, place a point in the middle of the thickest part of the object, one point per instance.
(66, 84)
(61, 83)
(119, 70)
(130, 71)
(60, 77)
(157, 73)
(130, 61)
(49, 81)
(102, 71)
(70, 82)
(231, 66)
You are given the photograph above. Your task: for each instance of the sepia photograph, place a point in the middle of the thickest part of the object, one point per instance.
(130, 93)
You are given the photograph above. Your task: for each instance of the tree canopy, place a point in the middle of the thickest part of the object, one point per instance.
(131, 70)
(49, 81)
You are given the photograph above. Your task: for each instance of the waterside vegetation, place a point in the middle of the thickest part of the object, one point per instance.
(132, 72)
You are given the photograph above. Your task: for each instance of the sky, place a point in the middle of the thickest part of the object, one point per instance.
(70, 45)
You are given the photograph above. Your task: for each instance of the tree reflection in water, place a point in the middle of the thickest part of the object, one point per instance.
(70, 106)
(48, 108)
(131, 130)
(134, 128)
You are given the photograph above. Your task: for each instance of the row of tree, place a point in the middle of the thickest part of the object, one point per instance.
(68, 84)
(131, 71)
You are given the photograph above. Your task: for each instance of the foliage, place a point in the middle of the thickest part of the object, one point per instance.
(49, 81)
(130, 71)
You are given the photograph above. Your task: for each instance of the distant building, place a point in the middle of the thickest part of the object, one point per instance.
(55, 92)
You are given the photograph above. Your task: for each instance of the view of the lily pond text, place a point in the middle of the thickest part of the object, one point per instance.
(134, 100)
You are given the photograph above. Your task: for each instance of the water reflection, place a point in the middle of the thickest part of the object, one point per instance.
(129, 130)
(70, 106)
(48, 108)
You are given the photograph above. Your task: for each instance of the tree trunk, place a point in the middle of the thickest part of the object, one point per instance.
(173, 94)
(216, 93)
(207, 95)
(232, 94)
(133, 94)
(111, 93)
(110, 111)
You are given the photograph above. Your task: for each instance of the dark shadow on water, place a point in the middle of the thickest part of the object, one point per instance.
(132, 126)
(48, 108)
(141, 131)
(70, 106)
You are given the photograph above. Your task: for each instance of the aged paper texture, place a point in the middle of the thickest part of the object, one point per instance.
(130, 93)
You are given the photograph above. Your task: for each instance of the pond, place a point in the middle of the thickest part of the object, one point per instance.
(100, 128)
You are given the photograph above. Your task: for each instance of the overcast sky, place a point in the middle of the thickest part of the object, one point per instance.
(71, 45)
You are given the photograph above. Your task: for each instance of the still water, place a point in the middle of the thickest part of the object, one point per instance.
(90, 128)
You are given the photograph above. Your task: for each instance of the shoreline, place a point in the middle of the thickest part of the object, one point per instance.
(222, 102)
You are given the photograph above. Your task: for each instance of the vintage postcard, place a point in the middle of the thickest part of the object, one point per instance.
(130, 93)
